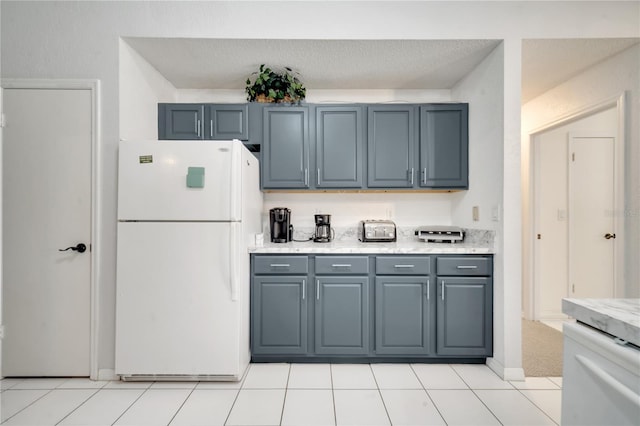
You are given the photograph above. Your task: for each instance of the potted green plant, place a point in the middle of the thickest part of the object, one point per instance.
(275, 86)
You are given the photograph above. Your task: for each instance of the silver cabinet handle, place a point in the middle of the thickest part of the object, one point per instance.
(442, 284)
(304, 287)
(428, 288)
(467, 266)
(280, 265)
(411, 176)
(318, 181)
(341, 265)
(306, 176)
(424, 176)
(211, 128)
(318, 289)
(198, 127)
(404, 266)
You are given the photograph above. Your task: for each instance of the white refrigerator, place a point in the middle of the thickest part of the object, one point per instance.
(187, 212)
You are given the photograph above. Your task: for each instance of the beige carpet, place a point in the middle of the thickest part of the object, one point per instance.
(541, 350)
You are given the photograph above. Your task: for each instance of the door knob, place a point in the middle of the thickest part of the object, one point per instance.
(609, 236)
(80, 248)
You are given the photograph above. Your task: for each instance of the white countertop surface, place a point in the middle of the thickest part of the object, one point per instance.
(618, 317)
(400, 247)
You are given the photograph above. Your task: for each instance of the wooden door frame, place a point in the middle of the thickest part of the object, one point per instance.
(93, 86)
(529, 277)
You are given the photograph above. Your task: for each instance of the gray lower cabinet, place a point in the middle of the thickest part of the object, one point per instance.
(342, 316)
(403, 319)
(279, 315)
(285, 153)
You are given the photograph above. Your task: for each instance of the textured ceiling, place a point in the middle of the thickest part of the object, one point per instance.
(366, 64)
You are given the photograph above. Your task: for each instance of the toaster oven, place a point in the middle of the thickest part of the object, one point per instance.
(376, 231)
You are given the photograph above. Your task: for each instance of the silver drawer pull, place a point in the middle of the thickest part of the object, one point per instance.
(467, 266)
(404, 266)
(280, 265)
(341, 265)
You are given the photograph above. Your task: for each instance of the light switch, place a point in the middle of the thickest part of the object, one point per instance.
(475, 213)
(195, 177)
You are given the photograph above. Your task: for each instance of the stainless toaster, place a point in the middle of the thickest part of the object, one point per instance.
(376, 231)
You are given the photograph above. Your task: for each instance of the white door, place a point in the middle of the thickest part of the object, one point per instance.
(46, 207)
(591, 224)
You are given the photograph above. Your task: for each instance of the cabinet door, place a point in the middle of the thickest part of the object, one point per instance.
(279, 315)
(342, 316)
(285, 159)
(180, 121)
(444, 146)
(339, 160)
(465, 316)
(403, 315)
(227, 121)
(391, 140)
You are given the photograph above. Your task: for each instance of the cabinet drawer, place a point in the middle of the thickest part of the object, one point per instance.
(342, 265)
(464, 265)
(402, 265)
(280, 265)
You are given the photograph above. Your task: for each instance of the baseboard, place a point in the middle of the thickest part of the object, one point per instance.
(507, 374)
(107, 374)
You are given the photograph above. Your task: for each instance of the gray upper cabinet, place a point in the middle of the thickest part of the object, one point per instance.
(444, 140)
(227, 121)
(279, 315)
(203, 121)
(391, 139)
(180, 121)
(342, 316)
(465, 312)
(339, 150)
(404, 310)
(285, 153)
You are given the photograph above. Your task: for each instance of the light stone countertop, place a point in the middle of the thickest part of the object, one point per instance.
(618, 317)
(346, 242)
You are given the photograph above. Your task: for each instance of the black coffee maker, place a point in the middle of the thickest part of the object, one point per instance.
(323, 232)
(280, 225)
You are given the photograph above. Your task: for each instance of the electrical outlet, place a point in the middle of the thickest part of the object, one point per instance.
(495, 213)
(475, 213)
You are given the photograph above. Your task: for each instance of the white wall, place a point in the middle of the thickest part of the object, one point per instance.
(605, 81)
(141, 88)
(81, 40)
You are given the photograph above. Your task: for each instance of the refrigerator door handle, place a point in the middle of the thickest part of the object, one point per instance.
(233, 256)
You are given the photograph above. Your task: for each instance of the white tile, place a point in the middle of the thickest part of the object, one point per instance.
(410, 407)
(207, 407)
(9, 383)
(462, 407)
(395, 376)
(51, 408)
(556, 380)
(549, 401)
(82, 383)
(352, 376)
(359, 408)
(267, 376)
(173, 385)
(512, 408)
(535, 383)
(44, 383)
(310, 376)
(154, 407)
(257, 407)
(219, 385)
(12, 401)
(103, 408)
(479, 376)
(119, 384)
(438, 376)
(309, 407)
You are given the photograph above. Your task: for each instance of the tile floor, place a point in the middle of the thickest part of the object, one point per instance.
(293, 394)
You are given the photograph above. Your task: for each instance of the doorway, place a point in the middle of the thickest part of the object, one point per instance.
(575, 191)
(48, 286)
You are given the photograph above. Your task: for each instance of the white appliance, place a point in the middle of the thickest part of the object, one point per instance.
(187, 212)
(601, 378)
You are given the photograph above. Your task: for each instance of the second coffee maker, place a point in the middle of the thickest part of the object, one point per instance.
(324, 233)
(280, 225)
